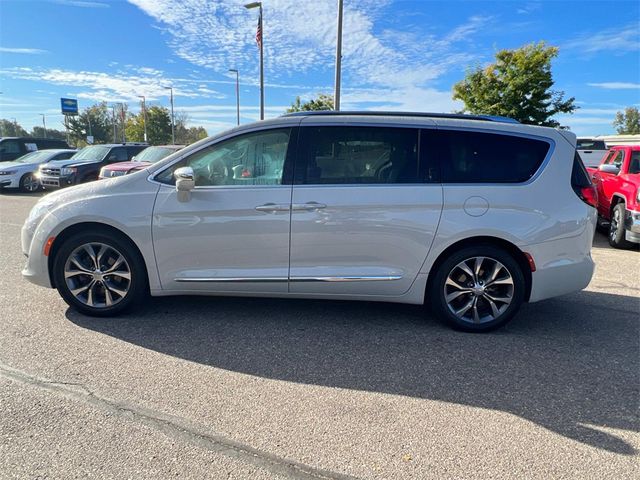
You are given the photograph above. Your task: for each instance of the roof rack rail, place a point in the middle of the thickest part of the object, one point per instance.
(460, 116)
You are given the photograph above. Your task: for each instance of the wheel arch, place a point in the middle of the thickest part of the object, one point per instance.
(615, 200)
(518, 255)
(97, 227)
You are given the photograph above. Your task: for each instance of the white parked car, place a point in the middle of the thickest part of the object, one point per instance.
(474, 215)
(21, 173)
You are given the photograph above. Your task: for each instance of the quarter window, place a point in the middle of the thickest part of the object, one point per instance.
(252, 159)
(10, 146)
(479, 157)
(359, 155)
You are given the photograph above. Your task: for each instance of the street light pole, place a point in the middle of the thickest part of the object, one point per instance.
(173, 128)
(237, 93)
(144, 115)
(336, 93)
(44, 125)
(260, 40)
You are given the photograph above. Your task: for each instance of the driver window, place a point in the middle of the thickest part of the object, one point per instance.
(252, 159)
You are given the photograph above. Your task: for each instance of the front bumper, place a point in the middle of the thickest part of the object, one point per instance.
(9, 181)
(49, 181)
(632, 226)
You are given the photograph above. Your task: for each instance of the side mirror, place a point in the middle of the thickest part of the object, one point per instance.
(608, 168)
(184, 179)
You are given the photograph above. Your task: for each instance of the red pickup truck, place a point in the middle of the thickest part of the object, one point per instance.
(617, 181)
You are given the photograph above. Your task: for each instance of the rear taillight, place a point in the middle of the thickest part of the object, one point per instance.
(589, 195)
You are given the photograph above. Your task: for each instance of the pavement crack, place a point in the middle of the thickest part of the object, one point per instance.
(175, 427)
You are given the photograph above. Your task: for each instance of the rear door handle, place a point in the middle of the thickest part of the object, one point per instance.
(273, 207)
(309, 206)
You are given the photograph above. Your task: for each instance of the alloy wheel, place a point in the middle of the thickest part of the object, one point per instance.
(615, 221)
(30, 183)
(479, 290)
(97, 275)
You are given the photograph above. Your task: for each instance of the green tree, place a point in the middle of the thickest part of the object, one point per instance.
(50, 133)
(627, 122)
(187, 135)
(95, 120)
(518, 85)
(158, 126)
(321, 102)
(11, 129)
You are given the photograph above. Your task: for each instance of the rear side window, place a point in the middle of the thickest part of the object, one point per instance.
(634, 164)
(359, 155)
(479, 157)
(10, 146)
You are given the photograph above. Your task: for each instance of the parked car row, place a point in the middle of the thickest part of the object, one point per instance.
(12, 148)
(57, 168)
(474, 215)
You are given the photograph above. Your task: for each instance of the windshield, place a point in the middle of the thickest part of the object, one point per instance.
(590, 145)
(34, 157)
(153, 154)
(91, 153)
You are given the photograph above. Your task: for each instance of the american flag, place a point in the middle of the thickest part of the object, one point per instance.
(259, 32)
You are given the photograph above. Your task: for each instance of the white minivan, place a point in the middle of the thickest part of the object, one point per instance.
(474, 215)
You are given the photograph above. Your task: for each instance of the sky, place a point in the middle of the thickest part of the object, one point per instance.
(397, 55)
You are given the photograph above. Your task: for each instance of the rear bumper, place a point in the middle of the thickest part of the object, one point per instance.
(632, 226)
(562, 266)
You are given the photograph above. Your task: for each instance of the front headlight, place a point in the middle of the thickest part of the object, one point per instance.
(68, 170)
(7, 172)
(39, 209)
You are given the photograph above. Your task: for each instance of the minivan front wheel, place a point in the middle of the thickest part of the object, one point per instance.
(99, 274)
(478, 289)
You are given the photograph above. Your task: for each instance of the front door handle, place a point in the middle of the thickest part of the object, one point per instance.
(273, 207)
(309, 206)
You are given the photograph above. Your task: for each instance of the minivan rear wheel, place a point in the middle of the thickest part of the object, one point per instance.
(99, 274)
(477, 289)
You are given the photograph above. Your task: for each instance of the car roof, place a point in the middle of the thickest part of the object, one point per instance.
(457, 116)
(128, 144)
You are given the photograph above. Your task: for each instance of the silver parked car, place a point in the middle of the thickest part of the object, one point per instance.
(22, 173)
(474, 215)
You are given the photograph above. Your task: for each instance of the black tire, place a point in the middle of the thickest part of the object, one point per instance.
(602, 225)
(136, 286)
(617, 229)
(486, 293)
(29, 183)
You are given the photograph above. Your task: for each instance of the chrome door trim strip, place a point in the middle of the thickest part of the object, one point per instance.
(347, 279)
(231, 279)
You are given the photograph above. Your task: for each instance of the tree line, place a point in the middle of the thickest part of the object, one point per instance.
(108, 125)
(518, 84)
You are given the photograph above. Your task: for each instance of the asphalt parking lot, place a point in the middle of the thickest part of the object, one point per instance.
(256, 388)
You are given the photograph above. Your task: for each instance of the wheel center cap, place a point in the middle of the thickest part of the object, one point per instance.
(478, 290)
(98, 275)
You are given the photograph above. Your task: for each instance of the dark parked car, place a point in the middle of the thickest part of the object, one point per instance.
(85, 165)
(12, 148)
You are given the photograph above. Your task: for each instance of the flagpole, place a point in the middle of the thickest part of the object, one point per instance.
(260, 37)
(261, 66)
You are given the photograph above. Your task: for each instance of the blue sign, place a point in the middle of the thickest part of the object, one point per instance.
(69, 106)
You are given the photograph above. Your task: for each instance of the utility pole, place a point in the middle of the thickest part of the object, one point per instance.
(44, 125)
(237, 93)
(260, 40)
(173, 128)
(336, 93)
(144, 115)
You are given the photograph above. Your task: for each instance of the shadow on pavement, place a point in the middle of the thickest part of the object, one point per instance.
(570, 364)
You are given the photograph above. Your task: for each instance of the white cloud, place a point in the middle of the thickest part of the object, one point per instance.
(28, 51)
(123, 85)
(616, 85)
(300, 39)
(618, 40)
